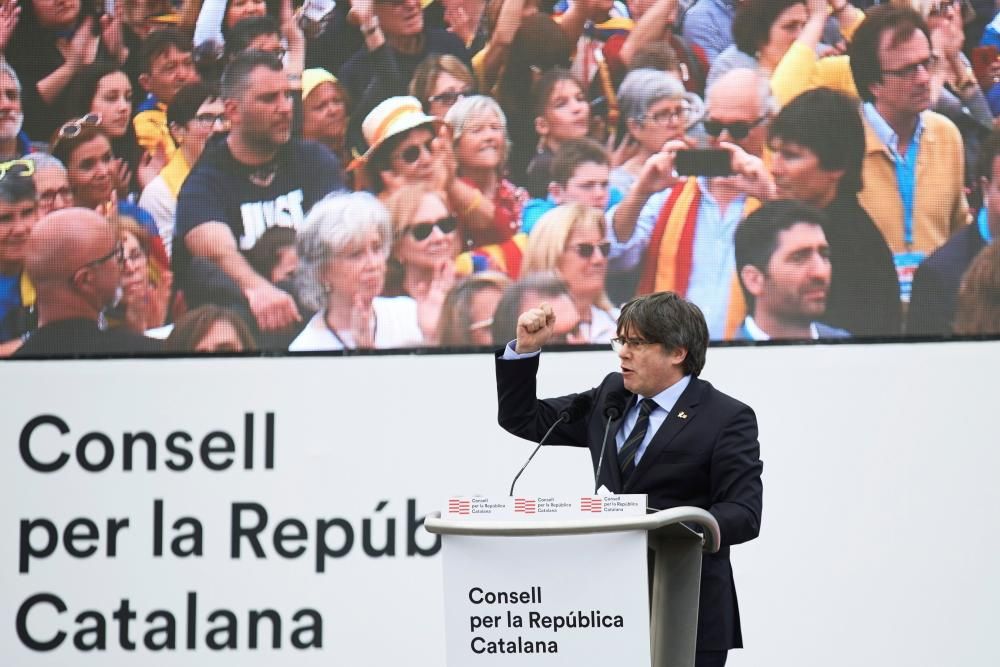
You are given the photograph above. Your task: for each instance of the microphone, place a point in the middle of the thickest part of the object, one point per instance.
(614, 407)
(577, 409)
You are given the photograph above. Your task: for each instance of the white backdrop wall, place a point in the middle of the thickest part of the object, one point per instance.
(879, 541)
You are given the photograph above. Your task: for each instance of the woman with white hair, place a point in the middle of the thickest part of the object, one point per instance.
(479, 134)
(571, 241)
(655, 108)
(343, 249)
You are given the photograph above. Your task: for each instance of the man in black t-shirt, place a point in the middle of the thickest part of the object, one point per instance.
(257, 177)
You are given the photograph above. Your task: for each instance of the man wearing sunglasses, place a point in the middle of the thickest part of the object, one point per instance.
(677, 438)
(914, 169)
(74, 259)
(256, 177)
(676, 234)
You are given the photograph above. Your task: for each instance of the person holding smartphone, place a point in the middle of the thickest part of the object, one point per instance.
(674, 232)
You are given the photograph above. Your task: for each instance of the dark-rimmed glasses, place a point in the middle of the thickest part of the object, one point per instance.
(422, 230)
(586, 250)
(909, 71)
(117, 252)
(738, 130)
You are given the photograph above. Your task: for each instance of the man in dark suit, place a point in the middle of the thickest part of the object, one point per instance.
(680, 441)
(936, 283)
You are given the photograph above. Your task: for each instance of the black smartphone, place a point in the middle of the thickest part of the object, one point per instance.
(703, 162)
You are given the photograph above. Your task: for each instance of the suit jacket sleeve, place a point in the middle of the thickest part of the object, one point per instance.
(737, 490)
(521, 413)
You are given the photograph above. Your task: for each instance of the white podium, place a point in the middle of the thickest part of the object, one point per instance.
(564, 584)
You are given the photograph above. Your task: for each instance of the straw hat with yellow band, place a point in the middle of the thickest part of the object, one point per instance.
(391, 117)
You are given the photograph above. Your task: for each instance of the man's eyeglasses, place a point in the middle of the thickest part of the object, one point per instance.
(586, 250)
(411, 154)
(392, 3)
(618, 344)
(911, 70)
(669, 116)
(211, 119)
(450, 96)
(422, 230)
(17, 168)
(738, 130)
(118, 253)
(48, 197)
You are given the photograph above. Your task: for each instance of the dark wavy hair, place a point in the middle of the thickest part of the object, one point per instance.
(671, 321)
(808, 120)
(753, 20)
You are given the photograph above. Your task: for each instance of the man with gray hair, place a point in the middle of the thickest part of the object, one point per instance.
(13, 142)
(675, 233)
(255, 178)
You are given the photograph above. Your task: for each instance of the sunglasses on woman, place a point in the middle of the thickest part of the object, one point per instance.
(450, 97)
(411, 154)
(17, 168)
(586, 250)
(74, 127)
(738, 130)
(422, 230)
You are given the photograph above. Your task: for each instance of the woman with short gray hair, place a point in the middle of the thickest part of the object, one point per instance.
(481, 146)
(655, 108)
(343, 249)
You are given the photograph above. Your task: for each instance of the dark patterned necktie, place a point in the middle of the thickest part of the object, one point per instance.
(626, 457)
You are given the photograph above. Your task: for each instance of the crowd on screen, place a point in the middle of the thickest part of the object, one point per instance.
(227, 175)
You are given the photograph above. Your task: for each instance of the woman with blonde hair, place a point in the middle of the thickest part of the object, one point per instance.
(571, 241)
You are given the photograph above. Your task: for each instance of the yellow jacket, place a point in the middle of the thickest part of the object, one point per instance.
(151, 130)
(800, 70)
(939, 206)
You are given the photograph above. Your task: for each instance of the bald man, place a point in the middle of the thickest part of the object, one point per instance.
(698, 263)
(74, 259)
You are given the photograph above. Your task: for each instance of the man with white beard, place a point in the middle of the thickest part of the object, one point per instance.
(13, 142)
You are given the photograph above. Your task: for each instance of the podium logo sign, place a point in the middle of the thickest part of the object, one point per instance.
(591, 504)
(525, 505)
(459, 506)
(546, 508)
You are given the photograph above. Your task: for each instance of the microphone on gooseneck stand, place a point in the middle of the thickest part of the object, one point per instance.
(577, 409)
(614, 407)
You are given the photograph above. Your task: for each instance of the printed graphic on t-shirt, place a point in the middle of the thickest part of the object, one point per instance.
(258, 216)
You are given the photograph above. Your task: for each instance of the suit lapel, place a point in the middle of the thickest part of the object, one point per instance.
(684, 412)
